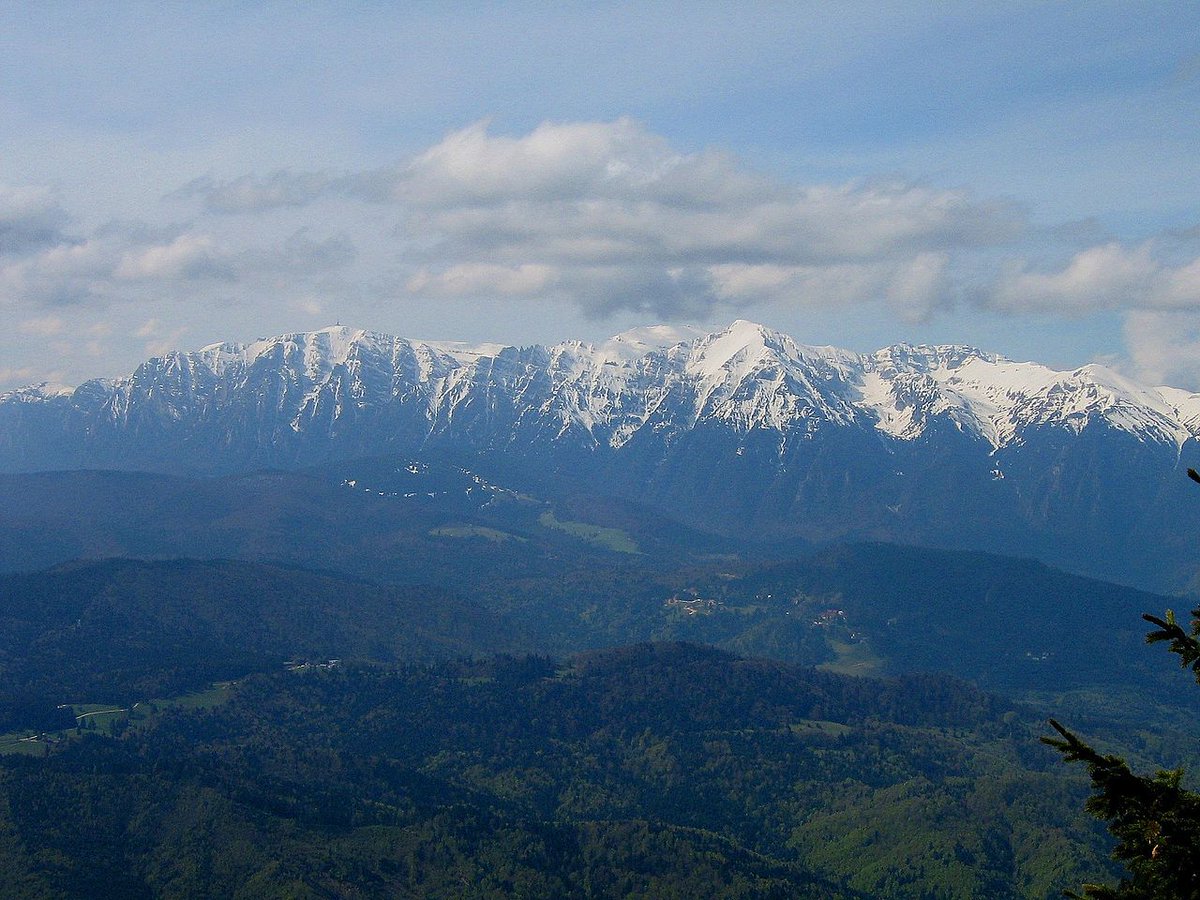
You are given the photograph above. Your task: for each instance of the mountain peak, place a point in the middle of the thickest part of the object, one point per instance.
(742, 341)
(744, 329)
(907, 357)
(637, 342)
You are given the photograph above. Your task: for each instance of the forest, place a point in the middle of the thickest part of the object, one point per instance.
(652, 770)
(535, 700)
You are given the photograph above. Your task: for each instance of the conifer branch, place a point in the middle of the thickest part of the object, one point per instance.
(1184, 645)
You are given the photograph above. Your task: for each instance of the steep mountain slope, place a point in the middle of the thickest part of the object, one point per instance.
(128, 629)
(742, 431)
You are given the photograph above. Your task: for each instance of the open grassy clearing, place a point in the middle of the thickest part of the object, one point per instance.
(811, 727)
(21, 743)
(101, 716)
(609, 538)
(854, 659)
(494, 535)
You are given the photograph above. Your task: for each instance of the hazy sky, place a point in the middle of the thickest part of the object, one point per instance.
(1020, 176)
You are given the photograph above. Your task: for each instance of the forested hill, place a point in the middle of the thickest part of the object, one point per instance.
(656, 770)
(118, 630)
(126, 629)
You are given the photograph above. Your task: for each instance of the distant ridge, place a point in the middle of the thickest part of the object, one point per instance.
(742, 429)
(899, 390)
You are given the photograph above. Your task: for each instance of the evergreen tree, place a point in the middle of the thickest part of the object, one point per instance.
(1155, 820)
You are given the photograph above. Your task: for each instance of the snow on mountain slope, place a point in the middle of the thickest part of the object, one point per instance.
(638, 342)
(666, 379)
(1184, 405)
(751, 377)
(37, 392)
(997, 398)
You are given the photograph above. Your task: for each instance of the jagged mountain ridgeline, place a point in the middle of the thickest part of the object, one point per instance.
(743, 431)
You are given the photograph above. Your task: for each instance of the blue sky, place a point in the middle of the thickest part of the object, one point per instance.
(1017, 176)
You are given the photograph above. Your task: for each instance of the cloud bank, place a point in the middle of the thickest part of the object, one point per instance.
(608, 217)
(611, 217)
(30, 219)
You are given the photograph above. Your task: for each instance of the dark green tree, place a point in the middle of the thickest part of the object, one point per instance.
(1155, 820)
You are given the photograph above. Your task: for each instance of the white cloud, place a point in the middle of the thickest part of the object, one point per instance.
(134, 262)
(1178, 287)
(1164, 346)
(85, 270)
(606, 216)
(166, 343)
(16, 375)
(30, 217)
(1108, 276)
(249, 194)
(616, 212)
(44, 326)
(614, 192)
(919, 285)
(812, 285)
(469, 279)
(156, 339)
(300, 253)
(187, 256)
(567, 161)
(1096, 278)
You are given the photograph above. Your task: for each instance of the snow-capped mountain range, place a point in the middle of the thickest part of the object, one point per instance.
(746, 377)
(740, 428)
